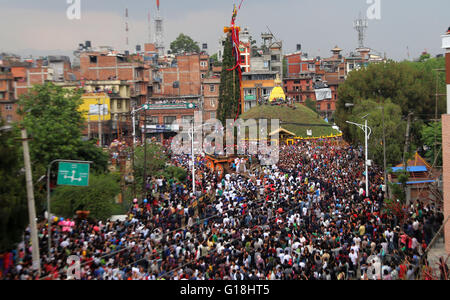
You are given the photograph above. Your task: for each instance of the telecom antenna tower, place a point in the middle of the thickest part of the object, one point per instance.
(159, 34)
(149, 27)
(361, 26)
(127, 29)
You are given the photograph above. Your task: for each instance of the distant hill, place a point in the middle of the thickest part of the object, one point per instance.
(297, 120)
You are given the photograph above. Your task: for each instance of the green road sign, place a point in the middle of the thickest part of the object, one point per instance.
(73, 174)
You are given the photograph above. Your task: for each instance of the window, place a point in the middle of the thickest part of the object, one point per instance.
(8, 107)
(9, 118)
(168, 120)
(203, 76)
(318, 107)
(329, 106)
(93, 59)
(187, 119)
(212, 88)
(203, 64)
(212, 115)
(296, 81)
(213, 103)
(119, 104)
(2, 95)
(153, 120)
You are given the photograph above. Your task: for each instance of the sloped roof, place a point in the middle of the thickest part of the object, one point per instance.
(282, 130)
(418, 161)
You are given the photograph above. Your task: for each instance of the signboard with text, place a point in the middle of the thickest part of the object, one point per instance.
(74, 174)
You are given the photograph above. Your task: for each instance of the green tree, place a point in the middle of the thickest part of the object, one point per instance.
(395, 129)
(408, 85)
(184, 44)
(55, 125)
(229, 91)
(431, 136)
(13, 198)
(156, 163)
(176, 173)
(98, 197)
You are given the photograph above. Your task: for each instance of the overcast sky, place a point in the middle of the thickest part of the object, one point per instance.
(41, 27)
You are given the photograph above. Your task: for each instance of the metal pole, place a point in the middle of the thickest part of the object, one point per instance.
(133, 118)
(100, 142)
(31, 204)
(193, 160)
(49, 215)
(367, 159)
(145, 157)
(89, 126)
(384, 154)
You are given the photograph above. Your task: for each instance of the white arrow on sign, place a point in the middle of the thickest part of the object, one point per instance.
(72, 178)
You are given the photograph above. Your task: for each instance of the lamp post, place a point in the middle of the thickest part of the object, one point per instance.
(191, 134)
(367, 132)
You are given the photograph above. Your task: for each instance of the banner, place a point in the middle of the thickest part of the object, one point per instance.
(322, 94)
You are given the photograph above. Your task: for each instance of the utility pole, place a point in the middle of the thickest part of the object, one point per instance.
(99, 125)
(384, 154)
(144, 188)
(408, 126)
(367, 159)
(193, 160)
(367, 132)
(89, 126)
(31, 204)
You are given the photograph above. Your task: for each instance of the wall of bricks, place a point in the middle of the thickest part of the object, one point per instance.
(189, 72)
(446, 156)
(446, 175)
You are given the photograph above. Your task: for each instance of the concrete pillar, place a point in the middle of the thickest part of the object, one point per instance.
(446, 142)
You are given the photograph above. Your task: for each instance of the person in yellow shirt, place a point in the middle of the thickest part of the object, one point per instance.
(362, 230)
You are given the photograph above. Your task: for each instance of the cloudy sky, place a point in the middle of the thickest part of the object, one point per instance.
(40, 27)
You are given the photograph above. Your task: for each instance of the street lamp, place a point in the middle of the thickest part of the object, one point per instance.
(367, 132)
(191, 135)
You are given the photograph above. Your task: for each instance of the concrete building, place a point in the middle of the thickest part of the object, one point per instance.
(119, 106)
(61, 66)
(446, 142)
(257, 87)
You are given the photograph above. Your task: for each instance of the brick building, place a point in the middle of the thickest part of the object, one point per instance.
(184, 76)
(8, 105)
(446, 142)
(211, 88)
(184, 90)
(17, 78)
(110, 65)
(318, 79)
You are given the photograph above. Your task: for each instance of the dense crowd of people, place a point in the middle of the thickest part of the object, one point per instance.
(306, 218)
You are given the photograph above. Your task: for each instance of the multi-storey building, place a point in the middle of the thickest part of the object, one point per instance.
(257, 87)
(446, 142)
(211, 88)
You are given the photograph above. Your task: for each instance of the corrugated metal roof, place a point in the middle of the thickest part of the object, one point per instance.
(411, 169)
